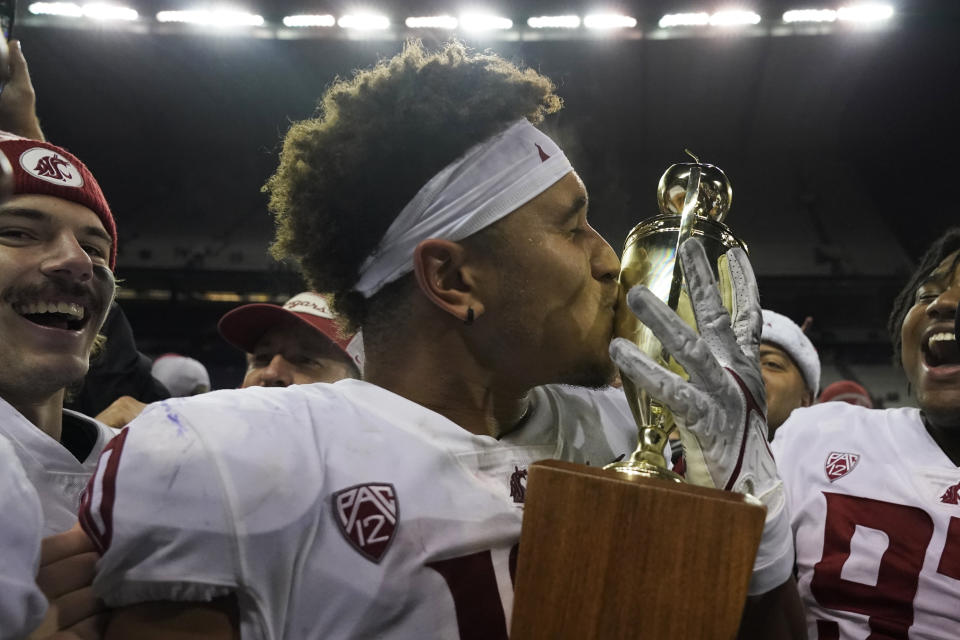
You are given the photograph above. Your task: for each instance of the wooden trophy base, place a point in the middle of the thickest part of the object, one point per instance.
(606, 556)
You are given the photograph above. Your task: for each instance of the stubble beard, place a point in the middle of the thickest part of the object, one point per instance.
(595, 375)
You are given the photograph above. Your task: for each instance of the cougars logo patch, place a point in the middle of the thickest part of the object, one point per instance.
(839, 464)
(951, 495)
(50, 166)
(367, 515)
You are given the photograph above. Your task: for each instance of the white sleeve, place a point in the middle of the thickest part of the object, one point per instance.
(200, 497)
(156, 511)
(22, 605)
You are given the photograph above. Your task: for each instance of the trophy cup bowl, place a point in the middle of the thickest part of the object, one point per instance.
(694, 199)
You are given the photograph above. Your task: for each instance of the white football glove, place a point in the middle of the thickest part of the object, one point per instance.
(721, 411)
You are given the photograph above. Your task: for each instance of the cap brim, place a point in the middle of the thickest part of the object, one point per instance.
(244, 326)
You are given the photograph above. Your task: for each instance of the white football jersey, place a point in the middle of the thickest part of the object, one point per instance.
(875, 509)
(22, 605)
(333, 511)
(57, 475)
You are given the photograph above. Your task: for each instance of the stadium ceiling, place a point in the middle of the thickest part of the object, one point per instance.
(494, 20)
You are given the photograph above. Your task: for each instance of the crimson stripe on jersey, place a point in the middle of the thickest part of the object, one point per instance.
(950, 560)
(828, 630)
(751, 405)
(473, 585)
(108, 492)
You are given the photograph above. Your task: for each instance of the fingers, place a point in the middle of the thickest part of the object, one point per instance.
(677, 338)
(685, 401)
(121, 412)
(69, 574)
(748, 320)
(18, 64)
(74, 609)
(87, 629)
(63, 545)
(713, 320)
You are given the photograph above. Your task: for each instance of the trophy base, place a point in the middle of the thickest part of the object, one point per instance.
(612, 556)
(644, 469)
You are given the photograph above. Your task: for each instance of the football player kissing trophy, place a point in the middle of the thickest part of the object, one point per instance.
(632, 551)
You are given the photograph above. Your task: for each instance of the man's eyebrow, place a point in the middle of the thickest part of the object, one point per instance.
(933, 278)
(42, 216)
(30, 214)
(98, 232)
(575, 208)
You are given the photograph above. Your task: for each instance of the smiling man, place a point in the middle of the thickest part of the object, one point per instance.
(57, 250)
(875, 494)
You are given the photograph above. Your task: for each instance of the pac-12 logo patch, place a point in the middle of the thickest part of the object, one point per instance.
(840, 464)
(367, 515)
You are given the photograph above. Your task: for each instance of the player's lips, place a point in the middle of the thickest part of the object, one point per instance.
(940, 351)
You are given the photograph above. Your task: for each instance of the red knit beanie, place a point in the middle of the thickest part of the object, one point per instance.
(45, 169)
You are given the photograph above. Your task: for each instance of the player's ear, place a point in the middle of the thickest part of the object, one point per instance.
(807, 399)
(446, 279)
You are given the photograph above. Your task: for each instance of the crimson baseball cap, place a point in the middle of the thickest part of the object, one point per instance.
(45, 169)
(244, 326)
(846, 391)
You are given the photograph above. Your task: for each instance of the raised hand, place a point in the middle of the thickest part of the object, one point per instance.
(720, 411)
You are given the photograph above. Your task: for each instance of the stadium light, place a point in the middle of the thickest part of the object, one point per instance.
(484, 22)
(865, 13)
(213, 18)
(734, 18)
(609, 21)
(432, 22)
(101, 11)
(554, 22)
(63, 9)
(684, 20)
(364, 22)
(309, 20)
(810, 15)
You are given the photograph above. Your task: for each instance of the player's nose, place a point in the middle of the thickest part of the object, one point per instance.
(944, 307)
(67, 260)
(279, 373)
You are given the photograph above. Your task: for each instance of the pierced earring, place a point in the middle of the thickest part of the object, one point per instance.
(469, 319)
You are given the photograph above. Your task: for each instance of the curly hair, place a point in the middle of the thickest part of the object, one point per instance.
(377, 138)
(937, 253)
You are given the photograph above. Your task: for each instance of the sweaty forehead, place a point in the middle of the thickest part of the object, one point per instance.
(947, 271)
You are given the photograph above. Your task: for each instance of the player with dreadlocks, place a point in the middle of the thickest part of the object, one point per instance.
(874, 495)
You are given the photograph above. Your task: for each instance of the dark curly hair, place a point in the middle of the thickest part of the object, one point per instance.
(377, 138)
(938, 251)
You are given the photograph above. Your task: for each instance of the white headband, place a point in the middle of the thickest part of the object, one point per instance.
(489, 181)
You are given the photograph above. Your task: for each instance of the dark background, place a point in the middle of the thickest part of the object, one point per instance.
(841, 146)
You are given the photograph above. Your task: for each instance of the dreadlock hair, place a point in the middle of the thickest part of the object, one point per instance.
(937, 253)
(376, 139)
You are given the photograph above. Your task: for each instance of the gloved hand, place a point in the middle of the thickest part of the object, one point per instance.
(721, 411)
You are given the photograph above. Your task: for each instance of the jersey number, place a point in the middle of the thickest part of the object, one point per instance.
(889, 604)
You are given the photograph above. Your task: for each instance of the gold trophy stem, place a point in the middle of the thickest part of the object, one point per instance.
(648, 460)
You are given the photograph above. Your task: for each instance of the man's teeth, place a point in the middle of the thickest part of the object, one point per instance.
(72, 309)
(944, 336)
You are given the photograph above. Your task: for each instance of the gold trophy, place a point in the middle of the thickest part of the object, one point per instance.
(694, 200)
(617, 553)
